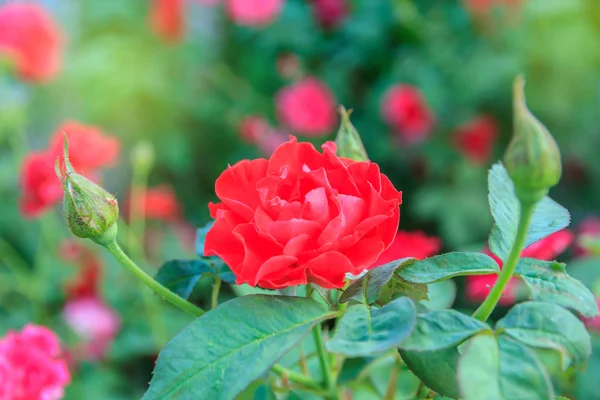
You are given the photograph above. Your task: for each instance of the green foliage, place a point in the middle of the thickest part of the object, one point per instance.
(441, 295)
(501, 369)
(180, 276)
(548, 281)
(364, 330)
(437, 330)
(548, 216)
(209, 358)
(447, 266)
(367, 288)
(436, 369)
(549, 326)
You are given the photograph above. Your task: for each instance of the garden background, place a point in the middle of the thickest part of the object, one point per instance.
(160, 96)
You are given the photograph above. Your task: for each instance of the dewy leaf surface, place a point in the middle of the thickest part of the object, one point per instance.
(501, 369)
(222, 352)
(447, 266)
(364, 330)
(548, 281)
(547, 325)
(548, 216)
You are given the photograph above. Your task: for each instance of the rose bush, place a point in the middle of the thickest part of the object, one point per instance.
(302, 217)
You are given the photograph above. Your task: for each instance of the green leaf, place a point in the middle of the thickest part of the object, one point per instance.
(548, 326)
(441, 329)
(363, 330)
(398, 287)
(180, 276)
(501, 369)
(201, 238)
(209, 358)
(447, 266)
(219, 265)
(436, 369)
(548, 216)
(548, 281)
(366, 289)
(441, 295)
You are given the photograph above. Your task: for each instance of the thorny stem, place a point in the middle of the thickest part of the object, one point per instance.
(508, 269)
(147, 280)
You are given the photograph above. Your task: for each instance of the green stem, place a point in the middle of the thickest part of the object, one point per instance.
(215, 292)
(328, 379)
(392, 387)
(162, 291)
(296, 377)
(488, 305)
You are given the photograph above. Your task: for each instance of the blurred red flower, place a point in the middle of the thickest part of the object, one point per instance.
(478, 286)
(475, 140)
(89, 149)
(593, 323)
(253, 128)
(302, 216)
(330, 12)
(405, 110)
(30, 365)
(31, 39)
(307, 107)
(480, 7)
(410, 244)
(590, 227)
(167, 19)
(160, 203)
(253, 12)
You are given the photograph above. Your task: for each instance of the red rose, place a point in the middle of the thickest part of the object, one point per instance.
(407, 112)
(475, 140)
(482, 7)
(40, 186)
(307, 107)
(167, 19)
(31, 39)
(253, 12)
(330, 12)
(410, 244)
(161, 203)
(547, 249)
(89, 149)
(302, 217)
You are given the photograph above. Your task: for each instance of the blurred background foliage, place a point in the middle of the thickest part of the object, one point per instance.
(189, 98)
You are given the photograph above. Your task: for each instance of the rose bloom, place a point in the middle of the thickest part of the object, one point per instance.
(547, 249)
(94, 322)
(475, 140)
(330, 12)
(160, 203)
(30, 365)
(253, 12)
(410, 244)
(405, 110)
(31, 40)
(167, 19)
(89, 149)
(302, 217)
(307, 107)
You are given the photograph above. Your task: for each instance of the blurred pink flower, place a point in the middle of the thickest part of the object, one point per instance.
(330, 12)
(253, 12)
(94, 322)
(167, 19)
(590, 226)
(481, 7)
(253, 128)
(30, 365)
(593, 323)
(547, 249)
(31, 39)
(475, 140)
(410, 244)
(307, 107)
(272, 140)
(160, 203)
(405, 110)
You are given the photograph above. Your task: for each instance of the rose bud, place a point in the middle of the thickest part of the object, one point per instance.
(532, 158)
(348, 140)
(90, 211)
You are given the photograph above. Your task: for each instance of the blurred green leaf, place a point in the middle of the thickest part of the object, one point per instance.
(447, 266)
(180, 276)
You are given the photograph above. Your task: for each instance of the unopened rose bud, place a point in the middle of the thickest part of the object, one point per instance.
(532, 158)
(348, 140)
(90, 211)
